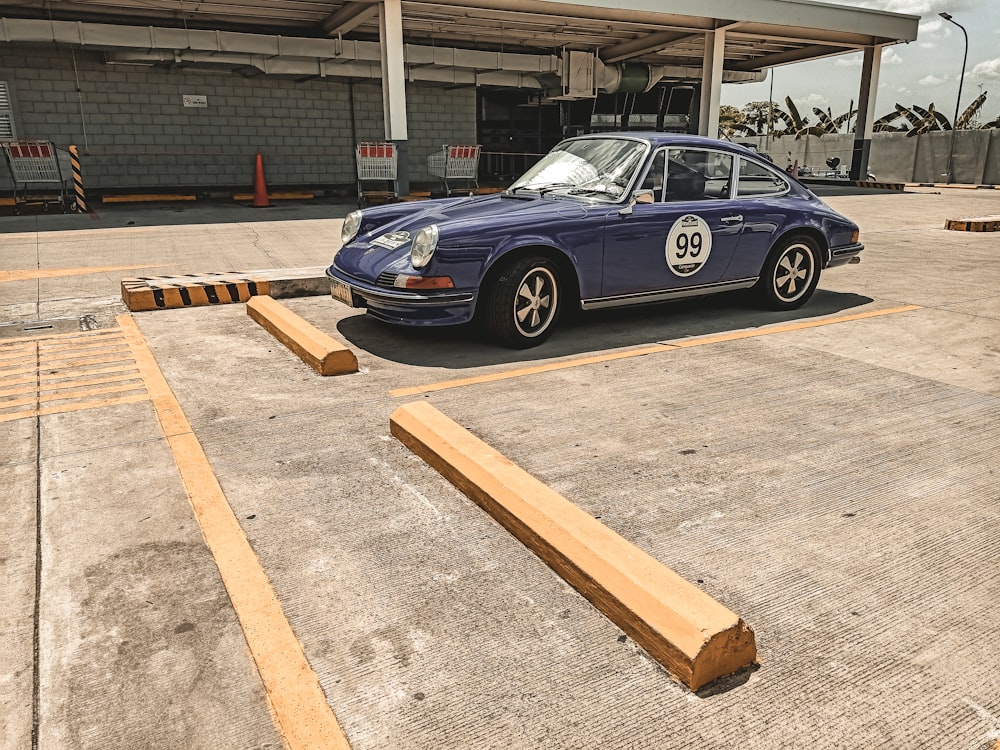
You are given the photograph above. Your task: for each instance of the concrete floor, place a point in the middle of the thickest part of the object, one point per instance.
(836, 486)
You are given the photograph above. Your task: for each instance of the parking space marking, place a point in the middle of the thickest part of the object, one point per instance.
(298, 705)
(521, 372)
(663, 346)
(801, 325)
(57, 374)
(29, 274)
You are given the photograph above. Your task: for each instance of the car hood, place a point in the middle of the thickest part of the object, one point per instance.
(459, 218)
(466, 223)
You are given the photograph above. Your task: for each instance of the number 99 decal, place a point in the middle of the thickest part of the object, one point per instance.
(688, 245)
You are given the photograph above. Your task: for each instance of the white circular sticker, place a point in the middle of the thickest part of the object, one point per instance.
(688, 245)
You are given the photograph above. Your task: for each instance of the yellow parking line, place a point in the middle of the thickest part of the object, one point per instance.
(63, 385)
(298, 705)
(38, 398)
(46, 273)
(13, 343)
(664, 346)
(767, 331)
(67, 408)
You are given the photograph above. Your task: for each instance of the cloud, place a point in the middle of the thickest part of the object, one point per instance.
(988, 70)
(890, 57)
(813, 100)
(931, 80)
(913, 7)
(854, 60)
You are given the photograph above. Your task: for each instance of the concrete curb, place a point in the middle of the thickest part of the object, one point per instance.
(953, 185)
(985, 224)
(321, 352)
(148, 198)
(695, 637)
(143, 293)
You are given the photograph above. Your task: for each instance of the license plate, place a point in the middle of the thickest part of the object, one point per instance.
(342, 292)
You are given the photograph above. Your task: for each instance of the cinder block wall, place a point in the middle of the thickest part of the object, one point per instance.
(134, 132)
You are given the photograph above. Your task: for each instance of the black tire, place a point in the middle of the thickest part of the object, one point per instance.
(523, 303)
(790, 274)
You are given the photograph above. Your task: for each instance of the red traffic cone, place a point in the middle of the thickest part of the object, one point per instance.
(259, 186)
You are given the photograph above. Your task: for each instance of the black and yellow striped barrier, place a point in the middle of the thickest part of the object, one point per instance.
(74, 163)
(986, 224)
(880, 185)
(143, 293)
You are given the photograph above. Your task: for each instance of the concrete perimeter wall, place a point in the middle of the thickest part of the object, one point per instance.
(134, 132)
(895, 157)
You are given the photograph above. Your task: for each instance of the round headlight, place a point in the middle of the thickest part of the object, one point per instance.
(424, 245)
(351, 226)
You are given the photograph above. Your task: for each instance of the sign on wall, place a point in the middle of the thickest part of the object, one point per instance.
(195, 100)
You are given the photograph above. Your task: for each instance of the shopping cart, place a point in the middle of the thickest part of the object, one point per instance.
(377, 163)
(37, 174)
(455, 163)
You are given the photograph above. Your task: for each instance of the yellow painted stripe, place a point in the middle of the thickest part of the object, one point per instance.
(75, 354)
(15, 357)
(62, 364)
(62, 372)
(126, 366)
(655, 349)
(538, 369)
(19, 340)
(73, 407)
(22, 369)
(801, 325)
(298, 704)
(49, 398)
(82, 339)
(64, 384)
(31, 375)
(47, 273)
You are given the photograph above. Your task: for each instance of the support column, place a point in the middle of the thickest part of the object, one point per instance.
(866, 112)
(711, 83)
(390, 21)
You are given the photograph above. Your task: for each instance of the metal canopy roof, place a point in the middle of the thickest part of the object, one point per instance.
(759, 33)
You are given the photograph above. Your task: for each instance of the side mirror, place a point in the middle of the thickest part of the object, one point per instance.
(639, 196)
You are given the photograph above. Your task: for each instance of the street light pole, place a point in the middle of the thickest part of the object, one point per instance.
(958, 102)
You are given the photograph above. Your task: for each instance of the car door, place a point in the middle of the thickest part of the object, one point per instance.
(684, 237)
(760, 200)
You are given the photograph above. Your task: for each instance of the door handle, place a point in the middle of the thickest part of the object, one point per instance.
(732, 219)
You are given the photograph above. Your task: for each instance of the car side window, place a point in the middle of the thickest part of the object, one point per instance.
(756, 180)
(697, 175)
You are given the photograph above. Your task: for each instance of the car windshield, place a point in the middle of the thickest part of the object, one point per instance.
(602, 167)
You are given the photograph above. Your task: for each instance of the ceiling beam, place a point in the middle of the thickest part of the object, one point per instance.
(349, 17)
(642, 46)
(811, 52)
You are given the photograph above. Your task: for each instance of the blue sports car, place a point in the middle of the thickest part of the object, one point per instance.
(601, 221)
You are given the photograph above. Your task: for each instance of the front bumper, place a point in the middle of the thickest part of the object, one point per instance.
(840, 256)
(403, 307)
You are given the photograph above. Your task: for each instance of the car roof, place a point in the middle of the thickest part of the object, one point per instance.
(674, 139)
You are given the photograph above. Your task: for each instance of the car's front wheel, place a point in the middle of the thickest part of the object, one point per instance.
(790, 274)
(522, 305)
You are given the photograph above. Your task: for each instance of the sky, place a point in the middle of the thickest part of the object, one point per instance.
(924, 71)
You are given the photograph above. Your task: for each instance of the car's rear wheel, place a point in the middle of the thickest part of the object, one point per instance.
(522, 305)
(790, 274)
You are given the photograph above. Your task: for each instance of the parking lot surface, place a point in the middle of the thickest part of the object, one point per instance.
(828, 474)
